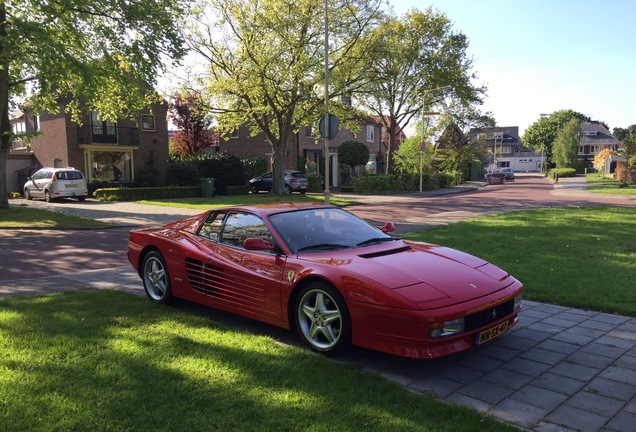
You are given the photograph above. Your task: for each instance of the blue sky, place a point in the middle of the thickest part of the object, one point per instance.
(540, 56)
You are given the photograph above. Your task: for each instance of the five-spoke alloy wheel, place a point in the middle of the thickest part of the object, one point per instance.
(156, 278)
(322, 318)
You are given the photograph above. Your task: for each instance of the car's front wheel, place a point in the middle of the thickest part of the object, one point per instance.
(156, 278)
(253, 189)
(322, 318)
(27, 194)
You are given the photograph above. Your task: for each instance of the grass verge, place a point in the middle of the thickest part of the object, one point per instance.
(584, 257)
(230, 200)
(112, 361)
(29, 217)
(597, 183)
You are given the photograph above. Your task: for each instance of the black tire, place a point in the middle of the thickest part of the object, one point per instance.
(81, 199)
(322, 318)
(27, 194)
(254, 189)
(303, 192)
(154, 273)
(47, 196)
(288, 190)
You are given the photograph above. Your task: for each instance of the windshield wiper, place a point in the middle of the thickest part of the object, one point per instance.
(377, 240)
(324, 246)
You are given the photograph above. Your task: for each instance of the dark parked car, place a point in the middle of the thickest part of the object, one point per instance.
(295, 181)
(510, 174)
(495, 178)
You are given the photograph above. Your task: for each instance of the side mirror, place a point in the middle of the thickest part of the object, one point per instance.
(387, 227)
(257, 244)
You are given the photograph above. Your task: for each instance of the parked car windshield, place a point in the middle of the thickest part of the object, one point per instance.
(69, 175)
(315, 230)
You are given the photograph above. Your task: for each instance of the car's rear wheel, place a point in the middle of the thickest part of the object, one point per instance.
(322, 318)
(47, 196)
(156, 278)
(81, 199)
(27, 194)
(288, 189)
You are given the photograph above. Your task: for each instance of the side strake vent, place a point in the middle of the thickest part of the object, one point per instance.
(385, 253)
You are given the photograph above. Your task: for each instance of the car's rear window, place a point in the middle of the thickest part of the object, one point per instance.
(298, 175)
(69, 175)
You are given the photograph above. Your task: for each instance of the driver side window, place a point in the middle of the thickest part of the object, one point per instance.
(240, 226)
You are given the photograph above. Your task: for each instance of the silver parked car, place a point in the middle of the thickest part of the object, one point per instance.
(53, 183)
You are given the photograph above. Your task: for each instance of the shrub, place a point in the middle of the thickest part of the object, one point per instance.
(253, 167)
(562, 172)
(225, 168)
(133, 194)
(315, 183)
(183, 173)
(237, 190)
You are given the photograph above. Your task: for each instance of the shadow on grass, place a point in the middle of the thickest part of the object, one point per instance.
(107, 360)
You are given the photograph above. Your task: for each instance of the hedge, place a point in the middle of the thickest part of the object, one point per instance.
(134, 194)
(392, 183)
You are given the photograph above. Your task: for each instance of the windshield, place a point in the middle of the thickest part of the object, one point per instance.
(317, 230)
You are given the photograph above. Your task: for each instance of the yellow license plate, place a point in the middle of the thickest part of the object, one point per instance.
(491, 333)
(71, 185)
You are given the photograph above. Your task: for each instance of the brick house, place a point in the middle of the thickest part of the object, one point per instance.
(308, 144)
(594, 137)
(106, 152)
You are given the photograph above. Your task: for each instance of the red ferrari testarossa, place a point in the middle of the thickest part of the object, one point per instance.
(336, 279)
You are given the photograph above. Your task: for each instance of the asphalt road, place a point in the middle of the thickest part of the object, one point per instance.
(37, 253)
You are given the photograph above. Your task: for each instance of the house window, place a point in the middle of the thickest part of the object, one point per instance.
(309, 131)
(106, 166)
(234, 134)
(104, 131)
(147, 123)
(36, 123)
(19, 127)
(370, 133)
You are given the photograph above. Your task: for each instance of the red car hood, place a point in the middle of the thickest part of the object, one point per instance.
(427, 274)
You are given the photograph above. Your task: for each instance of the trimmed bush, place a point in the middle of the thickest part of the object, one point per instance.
(237, 190)
(134, 194)
(562, 172)
(183, 173)
(315, 183)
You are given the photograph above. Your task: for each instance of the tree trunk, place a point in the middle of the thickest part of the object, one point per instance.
(279, 162)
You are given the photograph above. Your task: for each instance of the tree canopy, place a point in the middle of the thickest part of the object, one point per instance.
(542, 134)
(264, 63)
(566, 144)
(102, 54)
(193, 123)
(419, 61)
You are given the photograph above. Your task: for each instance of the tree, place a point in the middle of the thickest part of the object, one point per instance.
(353, 153)
(265, 67)
(417, 57)
(566, 144)
(541, 135)
(194, 132)
(455, 152)
(102, 54)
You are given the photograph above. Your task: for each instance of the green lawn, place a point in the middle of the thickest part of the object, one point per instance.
(600, 184)
(112, 361)
(29, 217)
(583, 257)
(221, 201)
